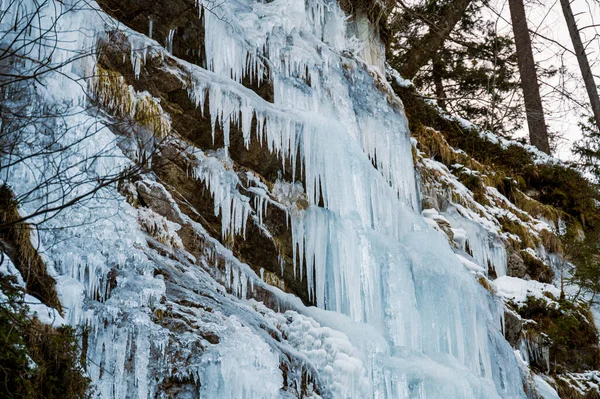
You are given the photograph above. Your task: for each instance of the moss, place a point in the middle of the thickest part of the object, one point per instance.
(565, 188)
(509, 182)
(433, 144)
(114, 94)
(563, 191)
(517, 228)
(573, 339)
(419, 112)
(536, 208)
(475, 184)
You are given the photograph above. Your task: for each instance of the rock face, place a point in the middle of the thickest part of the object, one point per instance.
(166, 81)
(175, 24)
(516, 265)
(513, 328)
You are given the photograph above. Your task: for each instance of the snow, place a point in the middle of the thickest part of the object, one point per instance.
(7, 268)
(516, 289)
(400, 81)
(539, 157)
(45, 314)
(471, 266)
(583, 383)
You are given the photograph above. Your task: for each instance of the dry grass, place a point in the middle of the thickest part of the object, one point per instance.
(566, 390)
(536, 208)
(433, 145)
(114, 94)
(528, 240)
(551, 242)
(485, 283)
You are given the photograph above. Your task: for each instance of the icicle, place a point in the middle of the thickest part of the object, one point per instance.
(233, 208)
(170, 37)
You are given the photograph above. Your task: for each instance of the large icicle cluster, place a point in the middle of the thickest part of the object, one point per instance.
(362, 252)
(232, 206)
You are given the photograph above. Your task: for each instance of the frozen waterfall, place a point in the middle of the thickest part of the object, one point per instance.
(397, 315)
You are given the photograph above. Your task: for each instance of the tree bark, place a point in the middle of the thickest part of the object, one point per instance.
(538, 132)
(582, 59)
(424, 50)
(440, 93)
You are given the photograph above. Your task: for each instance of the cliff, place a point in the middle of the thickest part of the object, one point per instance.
(289, 218)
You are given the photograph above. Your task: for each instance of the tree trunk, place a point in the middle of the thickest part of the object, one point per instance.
(584, 64)
(440, 93)
(420, 54)
(538, 132)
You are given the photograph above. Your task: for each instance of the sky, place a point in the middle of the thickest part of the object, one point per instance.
(545, 17)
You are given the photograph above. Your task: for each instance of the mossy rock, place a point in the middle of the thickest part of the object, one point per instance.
(572, 336)
(15, 241)
(537, 269)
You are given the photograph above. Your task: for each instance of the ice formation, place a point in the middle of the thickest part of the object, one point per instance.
(397, 316)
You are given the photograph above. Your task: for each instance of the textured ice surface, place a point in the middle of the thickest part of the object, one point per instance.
(544, 389)
(398, 314)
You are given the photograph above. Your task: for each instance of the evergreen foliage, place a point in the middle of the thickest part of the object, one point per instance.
(36, 361)
(569, 330)
(588, 148)
(584, 252)
(473, 75)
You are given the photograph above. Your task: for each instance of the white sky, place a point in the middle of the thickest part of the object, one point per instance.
(546, 18)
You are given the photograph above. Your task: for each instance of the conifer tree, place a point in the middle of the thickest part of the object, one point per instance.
(472, 74)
